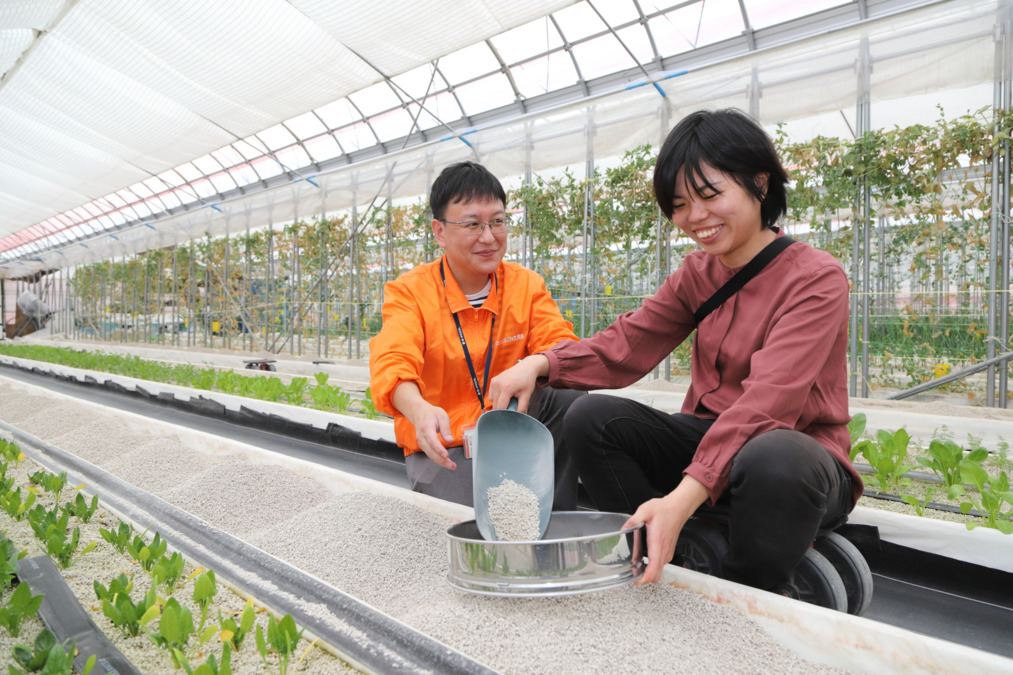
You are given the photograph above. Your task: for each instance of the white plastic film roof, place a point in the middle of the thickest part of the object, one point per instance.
(133, 125)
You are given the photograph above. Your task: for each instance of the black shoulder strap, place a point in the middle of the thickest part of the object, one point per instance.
(752, 268)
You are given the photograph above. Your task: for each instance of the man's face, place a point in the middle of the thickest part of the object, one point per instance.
(473, 256)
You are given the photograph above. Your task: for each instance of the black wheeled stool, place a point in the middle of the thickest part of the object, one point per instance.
(259, 364)
(833, 573)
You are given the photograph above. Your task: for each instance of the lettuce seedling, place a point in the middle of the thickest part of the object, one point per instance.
(20, 605)
(119, 538)
(887, 458)
(175, 628)
(204, 590)
(62, 549)
(233, 632)
(282, 638)
(119, 607)
(9, 557)
(947, 459)
(994, 494)
(211, 666)
(295, 392)
(146, 554)
(168, 572)
(47, 656)
(50, 482)
(81, 509)
(12, 504)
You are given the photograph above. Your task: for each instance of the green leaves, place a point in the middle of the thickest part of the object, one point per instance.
(21, 604)
(282, 638)
(120, 608)
(887, 458)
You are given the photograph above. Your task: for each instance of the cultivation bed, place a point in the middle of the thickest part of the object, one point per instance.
(791, 623)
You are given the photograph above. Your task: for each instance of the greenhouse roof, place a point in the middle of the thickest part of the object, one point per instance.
(118, 115)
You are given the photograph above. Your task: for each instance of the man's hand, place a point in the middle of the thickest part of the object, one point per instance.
(663, 519)
(431, 423)
(518, 382)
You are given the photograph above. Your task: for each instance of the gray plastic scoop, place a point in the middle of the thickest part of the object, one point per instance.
(512, 446)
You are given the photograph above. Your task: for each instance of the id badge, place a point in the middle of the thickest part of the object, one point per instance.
(469, 432)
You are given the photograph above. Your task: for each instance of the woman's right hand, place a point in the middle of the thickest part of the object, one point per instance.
(518, 382)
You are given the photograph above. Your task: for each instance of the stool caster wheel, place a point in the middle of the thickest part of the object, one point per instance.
(816, 581)
(852, 567)
(701, 548)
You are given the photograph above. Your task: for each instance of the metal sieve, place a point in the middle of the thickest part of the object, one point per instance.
(581, 552)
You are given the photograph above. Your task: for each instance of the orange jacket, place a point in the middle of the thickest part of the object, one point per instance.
(419, 342)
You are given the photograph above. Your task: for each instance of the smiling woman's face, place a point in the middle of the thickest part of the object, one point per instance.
(723, 219)
(472, 257)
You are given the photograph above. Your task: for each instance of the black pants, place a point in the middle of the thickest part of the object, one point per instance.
(548, 406)
(784, 485)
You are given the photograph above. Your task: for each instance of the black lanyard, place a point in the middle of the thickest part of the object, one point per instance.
(479, 390)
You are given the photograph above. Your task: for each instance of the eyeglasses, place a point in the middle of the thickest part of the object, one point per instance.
(474, 228)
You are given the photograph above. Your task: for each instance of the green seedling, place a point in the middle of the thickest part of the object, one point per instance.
(9, 557)
(295, 392)
(43, 520)
(81, 508)
(175, 628)
(19, 606)
(62, 548)
(947, 460)
(994, 500)
(119, 538)
(234, 632)
(11, 452)
(211, 666)
(368, 407)
(228, 381)
(282, 638)
(204, 591)
(146, 554)
(268, 389)
(887, 458)
(119, 607)
(12, 504)
(204, 378)
(46, 656)
(167, 571)
(50, 482)
(6, 484)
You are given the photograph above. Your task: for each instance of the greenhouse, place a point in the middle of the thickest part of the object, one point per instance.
(205, 213)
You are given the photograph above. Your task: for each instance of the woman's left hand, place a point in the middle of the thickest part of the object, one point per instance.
(663, 520)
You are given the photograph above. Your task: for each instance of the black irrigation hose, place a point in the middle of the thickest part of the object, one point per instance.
(364, 637)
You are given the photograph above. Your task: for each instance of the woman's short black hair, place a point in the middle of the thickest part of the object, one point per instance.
(463, 182)
(731, 142)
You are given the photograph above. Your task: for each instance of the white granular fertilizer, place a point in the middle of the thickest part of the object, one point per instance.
(393, 556)
(513, 511)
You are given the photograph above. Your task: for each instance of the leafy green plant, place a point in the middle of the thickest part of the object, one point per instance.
(50, 482)
(995, 500)
(62, 547)
(887, 457)
(228, 381)
(144, 553)
(282, 638)
(11, 452)
(204, 591)
(234, 632)
(175, 629)
(46, 656)
(120, 608)
(20, 605)
(120, 537)
(16, 508)
(211, 666)
(82, 509)
(167, 571)
(9, 557)
(295, 392)
(268, 388)
(368, 407)
(946, 459)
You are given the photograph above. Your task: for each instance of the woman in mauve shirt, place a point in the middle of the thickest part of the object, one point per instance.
(763, 428)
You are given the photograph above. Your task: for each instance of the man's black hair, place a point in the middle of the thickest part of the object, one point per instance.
(463, 182)
(731, 142)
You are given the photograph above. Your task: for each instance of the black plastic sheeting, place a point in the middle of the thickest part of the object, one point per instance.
(63, 614)
(365, 637)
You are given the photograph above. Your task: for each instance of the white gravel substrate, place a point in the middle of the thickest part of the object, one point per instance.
(394, 556)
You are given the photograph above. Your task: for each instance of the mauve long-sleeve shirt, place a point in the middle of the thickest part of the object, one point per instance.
(772, 356)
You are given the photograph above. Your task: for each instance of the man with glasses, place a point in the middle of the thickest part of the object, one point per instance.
(451, 325)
